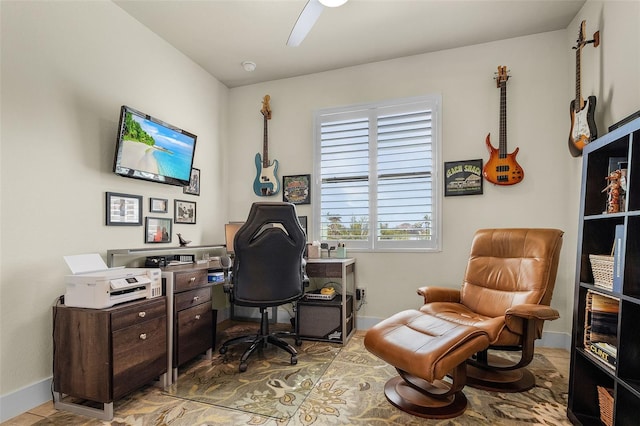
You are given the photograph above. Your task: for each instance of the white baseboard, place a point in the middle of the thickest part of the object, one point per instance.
(25, 399)
(555, 339)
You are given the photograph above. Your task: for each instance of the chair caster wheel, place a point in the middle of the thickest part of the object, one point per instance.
(294, 360)
(242, 367)
(223, 350)
(298, 342)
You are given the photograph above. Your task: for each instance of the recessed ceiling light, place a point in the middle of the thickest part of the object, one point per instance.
(249, 66)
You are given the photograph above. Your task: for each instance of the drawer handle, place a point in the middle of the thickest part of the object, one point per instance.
(196, 298)
(192, 279)
(197, 317)
(143, 336)
(142, 314)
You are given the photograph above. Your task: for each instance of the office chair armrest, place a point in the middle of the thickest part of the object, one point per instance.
(439, 294)
(516, 315)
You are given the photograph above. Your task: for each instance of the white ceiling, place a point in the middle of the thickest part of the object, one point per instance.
(220, 34)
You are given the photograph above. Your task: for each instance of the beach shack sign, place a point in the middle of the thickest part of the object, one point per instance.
(463, 177)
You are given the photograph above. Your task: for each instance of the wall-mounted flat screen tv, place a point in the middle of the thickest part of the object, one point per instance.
(150, 149)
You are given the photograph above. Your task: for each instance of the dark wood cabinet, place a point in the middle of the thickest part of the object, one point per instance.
(591, 371)
(191, 315)
(102, 354)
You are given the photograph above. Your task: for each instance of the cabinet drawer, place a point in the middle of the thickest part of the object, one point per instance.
(193, 333)
(139, 355)
(190, 279)
(147, 310)
(324, 270)
(191, 298)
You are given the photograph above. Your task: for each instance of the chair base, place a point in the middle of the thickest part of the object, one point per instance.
(261, 340)
(509, 381)
(424, 403)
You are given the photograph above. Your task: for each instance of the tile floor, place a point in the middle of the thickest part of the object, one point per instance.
(558, 357)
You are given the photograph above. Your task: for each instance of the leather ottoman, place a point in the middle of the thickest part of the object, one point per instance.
(424, 349)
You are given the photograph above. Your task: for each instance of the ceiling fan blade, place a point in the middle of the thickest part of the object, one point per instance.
(307, 18)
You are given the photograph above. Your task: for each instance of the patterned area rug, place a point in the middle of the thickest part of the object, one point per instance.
(271, 386)
(330, 385)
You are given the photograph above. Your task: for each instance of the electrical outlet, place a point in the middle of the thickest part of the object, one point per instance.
(360, 293)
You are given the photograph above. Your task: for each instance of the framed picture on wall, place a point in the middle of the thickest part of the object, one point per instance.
(158, 205)
(157, 230)
(184, 212)
(194, 183)
(463, 177)
(123, 209)
(296, 189)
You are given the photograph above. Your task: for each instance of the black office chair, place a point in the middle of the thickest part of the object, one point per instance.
(267, 271)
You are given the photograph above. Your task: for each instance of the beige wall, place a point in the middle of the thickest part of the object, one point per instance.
(67, 67)
(541, 86)
(537, 123)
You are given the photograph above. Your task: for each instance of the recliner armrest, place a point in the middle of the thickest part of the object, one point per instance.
(439, 294)
(533, 311)
(528, 311)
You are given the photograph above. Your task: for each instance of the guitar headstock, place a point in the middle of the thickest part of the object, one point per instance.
(502, 75)
(266, 109)
(582, 38)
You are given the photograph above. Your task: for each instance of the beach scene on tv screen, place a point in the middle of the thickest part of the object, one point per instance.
(153, 148)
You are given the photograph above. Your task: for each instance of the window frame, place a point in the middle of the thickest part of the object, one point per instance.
(373, 110)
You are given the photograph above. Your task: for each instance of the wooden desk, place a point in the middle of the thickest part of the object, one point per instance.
(345, 271)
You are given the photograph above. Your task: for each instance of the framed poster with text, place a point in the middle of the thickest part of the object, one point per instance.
(463, 177)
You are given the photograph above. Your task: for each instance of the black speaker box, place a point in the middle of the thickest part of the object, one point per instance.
(322, 320)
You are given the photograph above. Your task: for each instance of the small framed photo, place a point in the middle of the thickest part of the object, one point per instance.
(158, 205)
(157, 230)
(194, 183)
(463, 177)
(123, 209)
(296, 189)
(184, 212)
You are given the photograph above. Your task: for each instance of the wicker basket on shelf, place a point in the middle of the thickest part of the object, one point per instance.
(605, 399)
(602, 269)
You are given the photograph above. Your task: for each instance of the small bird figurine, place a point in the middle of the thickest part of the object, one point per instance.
(183, 242)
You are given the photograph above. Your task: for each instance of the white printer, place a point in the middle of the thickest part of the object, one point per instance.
(93, 285)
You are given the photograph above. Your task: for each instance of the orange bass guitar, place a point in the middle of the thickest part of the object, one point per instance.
(502, 168)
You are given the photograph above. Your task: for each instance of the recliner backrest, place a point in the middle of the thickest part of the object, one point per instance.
(509, 267)
(267, 268)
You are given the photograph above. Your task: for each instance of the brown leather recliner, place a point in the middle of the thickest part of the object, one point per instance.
(506, 292)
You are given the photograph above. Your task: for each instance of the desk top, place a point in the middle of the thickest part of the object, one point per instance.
(345, 261)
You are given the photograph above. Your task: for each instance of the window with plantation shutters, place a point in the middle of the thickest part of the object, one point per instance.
(375, 175)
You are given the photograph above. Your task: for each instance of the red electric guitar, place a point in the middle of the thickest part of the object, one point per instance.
(502, 168)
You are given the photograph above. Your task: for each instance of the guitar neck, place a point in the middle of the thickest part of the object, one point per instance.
(265, 149)
(503, 120)
(578, 102)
